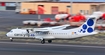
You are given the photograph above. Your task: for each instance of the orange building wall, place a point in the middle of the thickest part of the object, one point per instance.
(76, 7)
(27, 6)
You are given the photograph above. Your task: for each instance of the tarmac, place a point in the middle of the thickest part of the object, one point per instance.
(18, 48)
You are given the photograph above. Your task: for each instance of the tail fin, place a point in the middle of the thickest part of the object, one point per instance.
(89, 25)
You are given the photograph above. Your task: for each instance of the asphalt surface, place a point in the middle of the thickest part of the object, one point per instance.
(12, 14)
(17, 48)
(9, 18)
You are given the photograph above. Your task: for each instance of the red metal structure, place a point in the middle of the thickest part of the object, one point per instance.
(41, 9)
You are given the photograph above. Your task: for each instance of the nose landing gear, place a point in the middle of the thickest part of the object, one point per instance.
(11, 39)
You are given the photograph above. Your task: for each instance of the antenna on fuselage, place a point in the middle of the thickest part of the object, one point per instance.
(27, 30)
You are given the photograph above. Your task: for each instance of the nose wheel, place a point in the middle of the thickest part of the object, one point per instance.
(43, 41)
(11, 39)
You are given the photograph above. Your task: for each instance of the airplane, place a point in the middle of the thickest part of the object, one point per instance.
(88, 28)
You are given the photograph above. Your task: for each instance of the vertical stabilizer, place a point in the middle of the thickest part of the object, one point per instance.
(89, 25)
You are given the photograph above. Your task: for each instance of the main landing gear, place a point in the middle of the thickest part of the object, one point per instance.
(49, 41)
(43, 41)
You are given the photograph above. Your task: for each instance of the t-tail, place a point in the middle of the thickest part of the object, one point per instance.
(89, 25)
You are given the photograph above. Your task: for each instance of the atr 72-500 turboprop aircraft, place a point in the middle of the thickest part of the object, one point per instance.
(50, 34)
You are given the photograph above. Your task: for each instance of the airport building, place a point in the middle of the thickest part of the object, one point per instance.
(53, 6)
(62, 7)
(14, 4)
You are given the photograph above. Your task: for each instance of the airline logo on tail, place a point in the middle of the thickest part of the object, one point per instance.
(88, 26)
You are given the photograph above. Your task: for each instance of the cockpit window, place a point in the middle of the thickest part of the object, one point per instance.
(11, 31)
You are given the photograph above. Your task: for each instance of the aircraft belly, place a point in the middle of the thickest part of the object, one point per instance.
(48, 37)
(61, 36)
(22, 37)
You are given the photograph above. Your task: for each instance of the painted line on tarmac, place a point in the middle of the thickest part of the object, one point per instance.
(61, 45)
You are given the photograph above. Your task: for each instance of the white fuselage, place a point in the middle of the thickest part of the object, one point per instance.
(51, 34)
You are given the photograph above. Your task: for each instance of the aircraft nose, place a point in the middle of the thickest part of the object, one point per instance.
(8, 34)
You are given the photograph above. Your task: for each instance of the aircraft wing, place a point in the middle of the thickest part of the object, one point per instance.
(42, 32)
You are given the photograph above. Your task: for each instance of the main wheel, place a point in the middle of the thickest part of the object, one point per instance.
(49, 41)
(43, 41)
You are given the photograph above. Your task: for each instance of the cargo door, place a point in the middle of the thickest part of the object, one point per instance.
(54, 10)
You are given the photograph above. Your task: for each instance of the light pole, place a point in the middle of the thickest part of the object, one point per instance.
(71, 6)
(39, 15)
